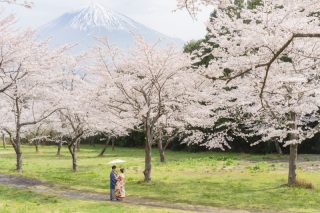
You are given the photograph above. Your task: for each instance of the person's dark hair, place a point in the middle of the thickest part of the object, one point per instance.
(122, 170)
(113, 167)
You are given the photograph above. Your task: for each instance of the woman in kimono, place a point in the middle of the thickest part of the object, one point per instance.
(121, 193)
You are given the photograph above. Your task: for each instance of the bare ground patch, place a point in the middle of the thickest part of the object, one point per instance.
(20, 182)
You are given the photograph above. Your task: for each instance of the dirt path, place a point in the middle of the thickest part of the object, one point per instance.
(20, 182)
(45, 187)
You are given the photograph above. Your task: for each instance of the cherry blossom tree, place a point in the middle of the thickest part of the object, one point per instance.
(107, 139)
(194, 6)
(77, 116)
(4, 141)
(60, 143)
(12, 43)
(289, 111)
(174, 124)
(139, 89)
(74, 126)
(54, 126)
(28, 103)
(37, 132)
(269, 57)
(80, 121)
(167, 129)
(110, 131)
(29, 77)
(24, 4)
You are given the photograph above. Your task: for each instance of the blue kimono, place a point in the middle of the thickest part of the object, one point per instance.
(113, 180)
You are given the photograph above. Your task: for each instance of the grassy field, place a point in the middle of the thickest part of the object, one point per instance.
(21, 200)
(209, 179)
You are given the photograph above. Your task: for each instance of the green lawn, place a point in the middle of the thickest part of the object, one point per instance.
(210, 179)
(17, 200)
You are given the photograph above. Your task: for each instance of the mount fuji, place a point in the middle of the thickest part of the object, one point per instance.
(96, 20)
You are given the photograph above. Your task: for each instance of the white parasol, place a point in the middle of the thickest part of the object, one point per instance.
(116, 161)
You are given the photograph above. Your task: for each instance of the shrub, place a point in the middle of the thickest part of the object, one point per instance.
(304, 184)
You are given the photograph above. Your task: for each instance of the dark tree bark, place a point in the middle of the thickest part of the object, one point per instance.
(105, 147)
(113, 143)
(37, 149)
(78, 146)
(292, 177)
(72, 148)
(59, 147)
(278, 148)
(16, 146)
(4, 141)
(74, 158)
(161, 151)
(160, 144)
(148, 150)
(19, 159)
(162, 157)
(147, 169)
(18, 150)
(37, 141)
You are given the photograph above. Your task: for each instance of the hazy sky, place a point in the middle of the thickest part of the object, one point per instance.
(155, 14)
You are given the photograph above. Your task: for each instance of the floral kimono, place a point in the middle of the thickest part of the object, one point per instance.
(120, 191)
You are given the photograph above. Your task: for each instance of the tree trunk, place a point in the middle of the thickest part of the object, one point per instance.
(19, 158)
(72, 148)
(292, 177)
(292, 164)
(105, 147)
(18, 150)
(147, 169)
(148, 150)
(278, 148)
(74, 157)
(92, 141)
(59, 147)
(36, 142)
(113, 143)
(162, 157)
(4, 141)
(37, 149)
(78, 145)
(16, 145)
(161, 151)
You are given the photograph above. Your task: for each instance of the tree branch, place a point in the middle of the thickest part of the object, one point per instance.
(11, 138)
(35, 122)
(276, 55)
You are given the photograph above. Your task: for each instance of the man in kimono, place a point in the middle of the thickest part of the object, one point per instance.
(113, 182)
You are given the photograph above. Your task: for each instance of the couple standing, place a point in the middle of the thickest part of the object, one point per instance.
(117, 182)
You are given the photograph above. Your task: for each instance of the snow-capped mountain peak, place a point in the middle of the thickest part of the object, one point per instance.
(95, 20)
(95, 15)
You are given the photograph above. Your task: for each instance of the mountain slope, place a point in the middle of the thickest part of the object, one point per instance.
(97, 20)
